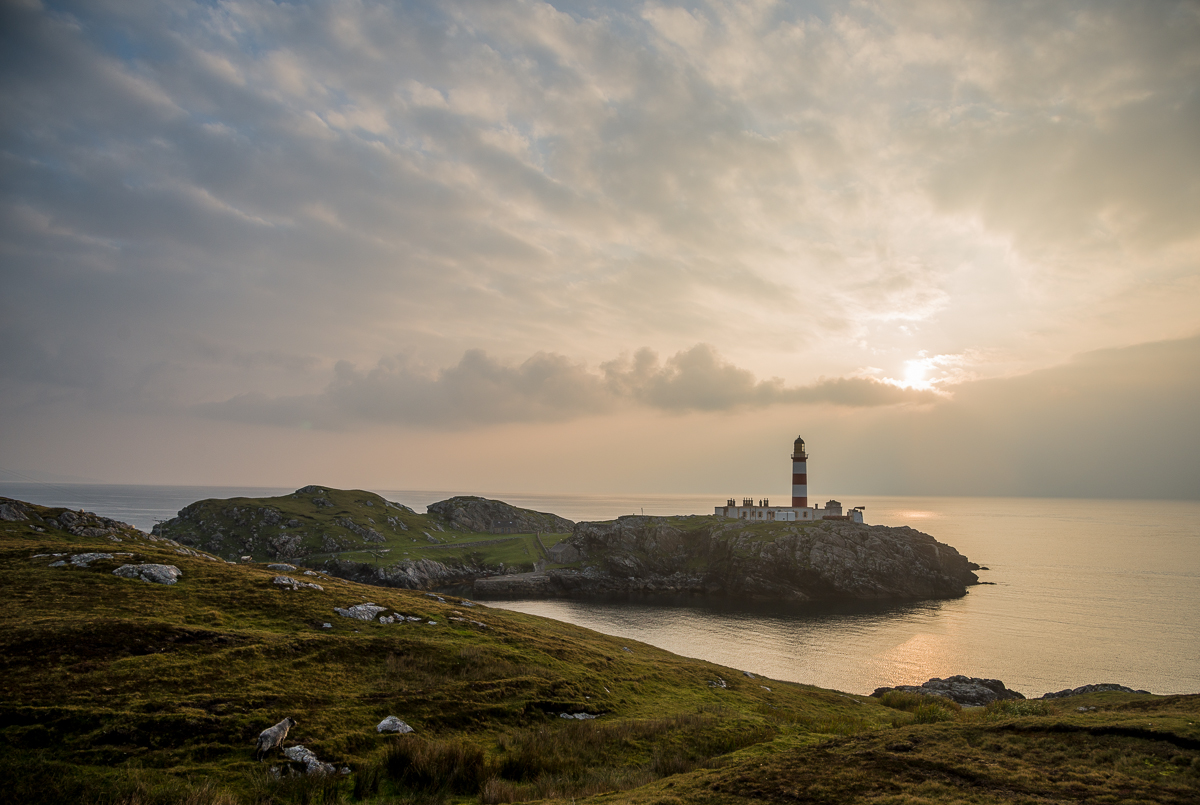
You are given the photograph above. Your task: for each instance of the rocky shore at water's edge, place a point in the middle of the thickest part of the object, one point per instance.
(361, 536)
(828, 560)
(972, 691)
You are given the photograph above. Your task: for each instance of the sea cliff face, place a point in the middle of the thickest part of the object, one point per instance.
(822, 561)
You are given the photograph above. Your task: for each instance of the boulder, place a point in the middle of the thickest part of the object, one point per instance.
(362, 612)
(156, 574)
(301, 754)
(393, 724)
(13, 511)
(966, 690)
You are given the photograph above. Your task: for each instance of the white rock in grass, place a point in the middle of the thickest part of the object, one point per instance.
(362, 612)
(393, 724)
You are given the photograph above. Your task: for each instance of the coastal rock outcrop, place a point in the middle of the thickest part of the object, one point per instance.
(822, 561)
(966, 690)
(420, 574)
(1103, 687)
(470, 513)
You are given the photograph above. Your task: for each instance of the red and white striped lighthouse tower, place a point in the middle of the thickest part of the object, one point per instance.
(799, 475)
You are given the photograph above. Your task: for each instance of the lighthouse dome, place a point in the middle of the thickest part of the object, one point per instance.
(799, 440)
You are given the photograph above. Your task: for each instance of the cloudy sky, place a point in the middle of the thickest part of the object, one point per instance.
(590, 247)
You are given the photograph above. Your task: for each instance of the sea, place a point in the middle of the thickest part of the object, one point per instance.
(1076, 591)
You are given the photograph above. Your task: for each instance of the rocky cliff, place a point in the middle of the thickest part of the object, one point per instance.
(470, 513)
(421, 574)
(704, 555)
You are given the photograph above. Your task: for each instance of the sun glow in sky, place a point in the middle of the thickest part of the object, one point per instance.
(368, 243)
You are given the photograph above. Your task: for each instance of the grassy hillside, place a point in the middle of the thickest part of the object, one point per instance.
(318, 523)
(119, 690)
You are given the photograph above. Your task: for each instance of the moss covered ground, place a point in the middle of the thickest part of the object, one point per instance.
(122, 691)
(316, 523)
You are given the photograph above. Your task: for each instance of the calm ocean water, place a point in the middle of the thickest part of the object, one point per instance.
(1083, 591)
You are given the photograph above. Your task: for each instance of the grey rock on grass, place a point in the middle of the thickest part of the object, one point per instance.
(393, 724)
(296, 584)
(150, 573)
(85, 559)
(362, 612)
(312, 765)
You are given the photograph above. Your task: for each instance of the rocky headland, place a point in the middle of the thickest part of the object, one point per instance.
(711, 556)
(496, 549)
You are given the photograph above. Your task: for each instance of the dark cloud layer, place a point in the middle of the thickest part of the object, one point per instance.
(480, 390)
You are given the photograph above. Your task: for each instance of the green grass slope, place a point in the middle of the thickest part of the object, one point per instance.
(316, 523)
(122, 691)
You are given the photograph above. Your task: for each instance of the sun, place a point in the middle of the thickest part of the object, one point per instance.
(914, 372)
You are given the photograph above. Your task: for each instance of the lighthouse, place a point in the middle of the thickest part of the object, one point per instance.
(799, 511)
(799, 475)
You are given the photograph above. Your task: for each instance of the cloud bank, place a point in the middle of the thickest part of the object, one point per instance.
(206, 206)
(480, 390)
(811, 187)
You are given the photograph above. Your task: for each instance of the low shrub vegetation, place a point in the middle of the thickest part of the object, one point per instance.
(1011, 708)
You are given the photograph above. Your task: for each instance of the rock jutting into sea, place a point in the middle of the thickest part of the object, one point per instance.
(966, 690)
(709, 556)
(971, 691)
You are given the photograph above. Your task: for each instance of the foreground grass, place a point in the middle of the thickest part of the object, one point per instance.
(119, 691)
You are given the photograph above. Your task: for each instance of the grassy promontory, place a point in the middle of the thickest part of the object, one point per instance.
(125, 691)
